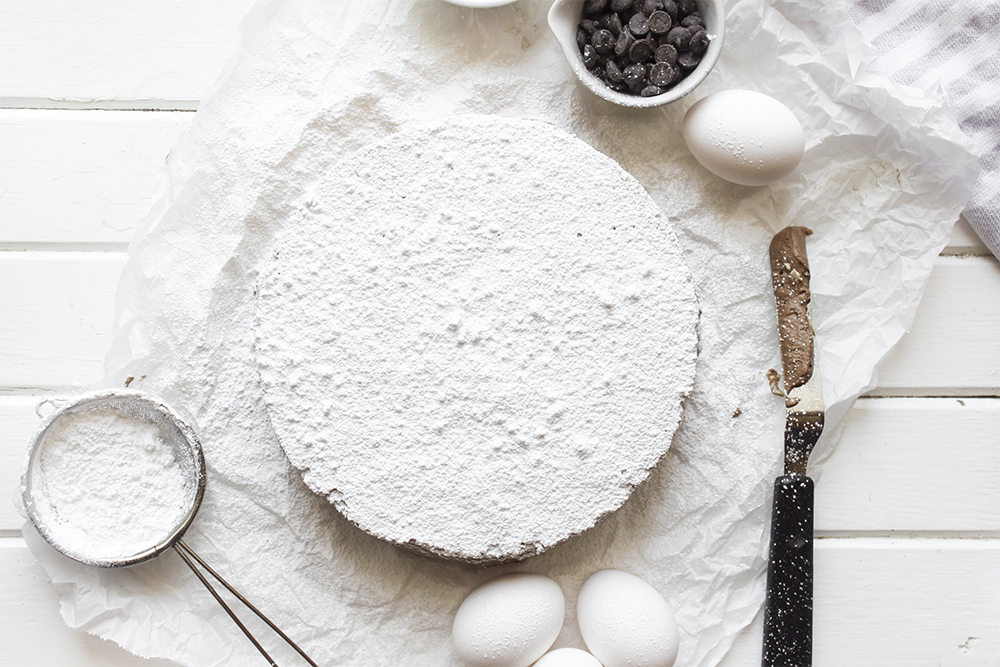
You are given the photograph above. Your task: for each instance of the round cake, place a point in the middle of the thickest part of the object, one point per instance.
(475, 337)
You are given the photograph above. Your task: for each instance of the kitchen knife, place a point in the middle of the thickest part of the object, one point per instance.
(788, 609)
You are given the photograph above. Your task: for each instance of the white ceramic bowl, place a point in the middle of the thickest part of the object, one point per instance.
(565, 16)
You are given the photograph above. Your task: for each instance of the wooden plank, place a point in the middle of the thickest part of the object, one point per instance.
(911, 465)
(58, 308)
(907, 602)
(71, 176)
(56, 332)
(17, 415)
(914, 464)
(879, 603)
(80, 176)
(31, 630)
(965, 241)
(157, 54)
(899, 603)
(953, 348)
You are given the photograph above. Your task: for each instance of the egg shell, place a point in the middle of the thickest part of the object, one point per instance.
(744, 136)
(625, 622)
(568, 657)
(509, 621)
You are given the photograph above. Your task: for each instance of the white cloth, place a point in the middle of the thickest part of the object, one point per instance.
(958, 45)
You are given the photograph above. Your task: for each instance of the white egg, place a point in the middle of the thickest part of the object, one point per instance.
(625, 622)
(744, 137)
(509, 621)
(568, 657)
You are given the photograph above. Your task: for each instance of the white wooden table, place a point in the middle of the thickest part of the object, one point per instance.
(91, 100)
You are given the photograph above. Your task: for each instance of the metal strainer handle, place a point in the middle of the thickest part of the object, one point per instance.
(190, 558)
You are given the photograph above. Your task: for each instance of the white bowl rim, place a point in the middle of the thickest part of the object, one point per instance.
(563, 18)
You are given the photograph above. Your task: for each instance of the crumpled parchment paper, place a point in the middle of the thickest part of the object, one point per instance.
(885, 174)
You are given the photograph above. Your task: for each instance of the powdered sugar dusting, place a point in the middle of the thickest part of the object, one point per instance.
(107, 484)
(470, 372)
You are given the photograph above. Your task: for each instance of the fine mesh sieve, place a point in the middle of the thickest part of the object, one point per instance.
(173, 432)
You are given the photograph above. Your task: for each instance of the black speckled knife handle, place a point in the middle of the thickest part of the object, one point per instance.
(788, 610)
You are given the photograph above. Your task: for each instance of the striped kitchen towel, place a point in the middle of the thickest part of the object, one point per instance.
(956, 42)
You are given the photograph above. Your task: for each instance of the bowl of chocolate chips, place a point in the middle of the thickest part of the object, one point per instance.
(639, 53)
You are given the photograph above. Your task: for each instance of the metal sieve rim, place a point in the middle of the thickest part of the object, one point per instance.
(129, 401)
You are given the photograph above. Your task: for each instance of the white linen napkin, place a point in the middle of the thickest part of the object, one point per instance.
(957, 44)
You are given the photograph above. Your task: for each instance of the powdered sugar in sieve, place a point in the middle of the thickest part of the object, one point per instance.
(475, 336)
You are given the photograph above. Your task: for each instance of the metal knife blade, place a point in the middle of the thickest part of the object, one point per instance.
(804, 419)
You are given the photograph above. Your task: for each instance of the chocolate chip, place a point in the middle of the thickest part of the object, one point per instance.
(635, 75)
(666, 54)
(699, 41)
(638, 25)
(651, 91)
(624, 43)
(679, 38)
(582, 38)
(641, 51)
(613, 71)
(615, 24)
(670, 7)
(692, 19)
(618, 86)
(659, 22)
(603, 41)
(594, 6)
(590, 26)
(620, 5)
(663, 74)
(688, 60)
(687, 6)
(650, 6)
(589, 56)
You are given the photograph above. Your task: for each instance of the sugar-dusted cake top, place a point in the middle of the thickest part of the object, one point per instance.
(475, 337)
